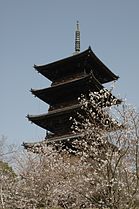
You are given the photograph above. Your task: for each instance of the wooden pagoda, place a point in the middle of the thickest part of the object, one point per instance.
(70, 77)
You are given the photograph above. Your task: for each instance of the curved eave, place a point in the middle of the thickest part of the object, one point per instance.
(54, 93)
(44, 69)
(36, 146)
(54, 113)
(45, 121)
(48, 70)
(106, 70)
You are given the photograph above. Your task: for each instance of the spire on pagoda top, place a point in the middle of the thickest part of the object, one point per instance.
(77, 38)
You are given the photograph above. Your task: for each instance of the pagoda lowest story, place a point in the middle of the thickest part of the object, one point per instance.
(72, 76)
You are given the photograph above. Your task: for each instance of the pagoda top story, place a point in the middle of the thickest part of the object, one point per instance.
(84, 61)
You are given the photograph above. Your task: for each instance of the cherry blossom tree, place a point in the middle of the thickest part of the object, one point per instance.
(108, 151)
(103, 172)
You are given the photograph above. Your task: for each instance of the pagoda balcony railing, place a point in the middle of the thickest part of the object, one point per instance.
(63, 105)
(68, 78)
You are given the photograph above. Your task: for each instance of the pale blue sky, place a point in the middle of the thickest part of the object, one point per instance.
(42, 31)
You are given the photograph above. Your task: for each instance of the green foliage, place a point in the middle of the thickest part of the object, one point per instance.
(5, 169)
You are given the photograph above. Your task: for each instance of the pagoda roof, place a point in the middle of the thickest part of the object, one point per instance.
(36, 147)
(79, 85)
(48, 120)
(80, 61)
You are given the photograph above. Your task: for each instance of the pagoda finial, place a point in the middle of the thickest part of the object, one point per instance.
(77, 38)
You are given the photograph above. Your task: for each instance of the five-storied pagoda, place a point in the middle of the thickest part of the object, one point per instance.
(75, 75)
